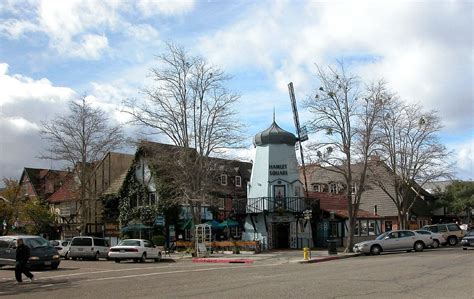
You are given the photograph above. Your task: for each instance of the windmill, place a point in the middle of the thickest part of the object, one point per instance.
(300, 131)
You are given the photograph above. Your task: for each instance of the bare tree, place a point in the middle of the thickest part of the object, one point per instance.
(411, 148)
(191, 106)
(348, 116)
(81, 137)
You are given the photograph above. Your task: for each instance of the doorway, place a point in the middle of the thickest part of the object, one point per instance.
(281, 233)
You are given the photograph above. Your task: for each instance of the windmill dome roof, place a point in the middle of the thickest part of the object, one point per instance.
(274, 135)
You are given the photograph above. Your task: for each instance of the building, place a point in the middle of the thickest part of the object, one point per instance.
(275, 194)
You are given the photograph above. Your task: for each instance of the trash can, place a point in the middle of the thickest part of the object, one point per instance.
(332, 247)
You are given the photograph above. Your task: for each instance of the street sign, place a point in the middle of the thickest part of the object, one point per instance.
(160, 220)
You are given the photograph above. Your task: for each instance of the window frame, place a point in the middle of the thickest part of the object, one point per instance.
(238, 181)
(224, 179)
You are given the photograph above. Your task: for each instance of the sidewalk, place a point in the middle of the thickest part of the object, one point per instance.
(272, 256)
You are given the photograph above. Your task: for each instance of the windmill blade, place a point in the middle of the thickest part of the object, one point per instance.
(302, 135)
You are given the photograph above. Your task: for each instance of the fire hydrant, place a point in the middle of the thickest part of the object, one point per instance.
(306, 254)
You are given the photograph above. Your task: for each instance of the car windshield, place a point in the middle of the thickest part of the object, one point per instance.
(36, 242)
(470, 234)
(81, 242)
(129, 243)
(380, 237)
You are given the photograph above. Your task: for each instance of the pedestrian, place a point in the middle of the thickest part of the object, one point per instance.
(21, 265)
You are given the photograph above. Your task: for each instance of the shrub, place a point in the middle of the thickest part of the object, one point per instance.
(158, 240)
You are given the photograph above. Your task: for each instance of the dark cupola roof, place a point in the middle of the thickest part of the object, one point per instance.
(274, 135)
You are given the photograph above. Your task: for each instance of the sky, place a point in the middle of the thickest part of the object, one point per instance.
(52, 52)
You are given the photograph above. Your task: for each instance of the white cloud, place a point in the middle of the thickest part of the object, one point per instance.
(164, 7)
(424, 49)
(464, 152)
(77, 28)
(17, 88)
(21, 124)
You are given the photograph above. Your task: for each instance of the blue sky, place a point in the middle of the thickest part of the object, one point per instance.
(53, 51)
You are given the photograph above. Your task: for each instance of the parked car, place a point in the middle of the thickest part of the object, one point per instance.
(136, 250)
(450, 231)
(437, 237)
(394, 240)
(42, 254)
(63, 247)
(468, 240)
(88, 247)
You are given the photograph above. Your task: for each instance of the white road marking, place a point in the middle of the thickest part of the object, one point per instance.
(102, 271)
(47, 285)
(179, 271)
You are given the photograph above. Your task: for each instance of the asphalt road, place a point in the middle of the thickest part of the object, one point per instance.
(443, 273)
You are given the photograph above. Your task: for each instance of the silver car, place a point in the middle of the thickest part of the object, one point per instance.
(394, 240)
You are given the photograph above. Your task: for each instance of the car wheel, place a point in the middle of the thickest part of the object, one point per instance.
(74, 258)
(54, 267)
(464, 248)
(135, 260)
(435, 243)
(96, 257)
(452, 241)
(375, 250)
(143, 258)
(419, 246)
(117, 260)
(158, 258)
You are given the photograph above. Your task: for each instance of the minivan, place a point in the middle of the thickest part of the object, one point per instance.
(88, 247)
(42, 253)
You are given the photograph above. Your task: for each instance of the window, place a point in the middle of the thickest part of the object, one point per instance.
(317, 188)
(148, 244)
(423, 232)
(152, 199)
(238, 181)
(3, 244)
(406, 234)
(99, 242)
(223, 179)
(354, 188)
(453, 227)
(333, 188)
(81, 242)
(442, 228)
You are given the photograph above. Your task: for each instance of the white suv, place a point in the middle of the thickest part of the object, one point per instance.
(451, 232)
(88, 247)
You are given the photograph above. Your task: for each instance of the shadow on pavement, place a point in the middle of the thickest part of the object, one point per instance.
(10, 288)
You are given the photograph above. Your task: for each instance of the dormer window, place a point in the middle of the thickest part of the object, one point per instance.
(333, 188)
(224, 179)
(238, 181)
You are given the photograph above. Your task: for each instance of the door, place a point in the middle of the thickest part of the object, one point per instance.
(150, 249)
(391, 242)
(407, 240)
(281, 235)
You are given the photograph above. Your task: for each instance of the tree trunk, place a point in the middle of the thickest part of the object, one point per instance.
(350, 237)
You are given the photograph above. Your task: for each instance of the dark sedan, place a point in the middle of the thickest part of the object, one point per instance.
(468, 240)
(42, 253)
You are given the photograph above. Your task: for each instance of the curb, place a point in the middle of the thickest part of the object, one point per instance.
(326, 259)
(231, 261)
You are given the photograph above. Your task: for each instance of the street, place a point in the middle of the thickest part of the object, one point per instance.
(446, 272)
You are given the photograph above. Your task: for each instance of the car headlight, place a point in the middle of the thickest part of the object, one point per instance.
(34, 258)
(55, 256)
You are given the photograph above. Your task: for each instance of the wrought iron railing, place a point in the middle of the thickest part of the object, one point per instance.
(270, 205)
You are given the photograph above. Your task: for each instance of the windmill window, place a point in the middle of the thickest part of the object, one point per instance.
(223, 179)
(238, 181)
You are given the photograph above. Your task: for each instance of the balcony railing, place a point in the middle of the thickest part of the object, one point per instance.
(270, 205)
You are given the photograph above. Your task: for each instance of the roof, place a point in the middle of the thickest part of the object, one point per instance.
(337, 204)
(116, 184)
(38, 177)
(67, 192)
(274, 135)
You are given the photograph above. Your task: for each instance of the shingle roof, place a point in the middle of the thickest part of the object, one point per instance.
(67, 192)
(337, 203)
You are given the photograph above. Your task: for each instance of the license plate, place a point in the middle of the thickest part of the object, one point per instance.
(80, 249)
(48, 263)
